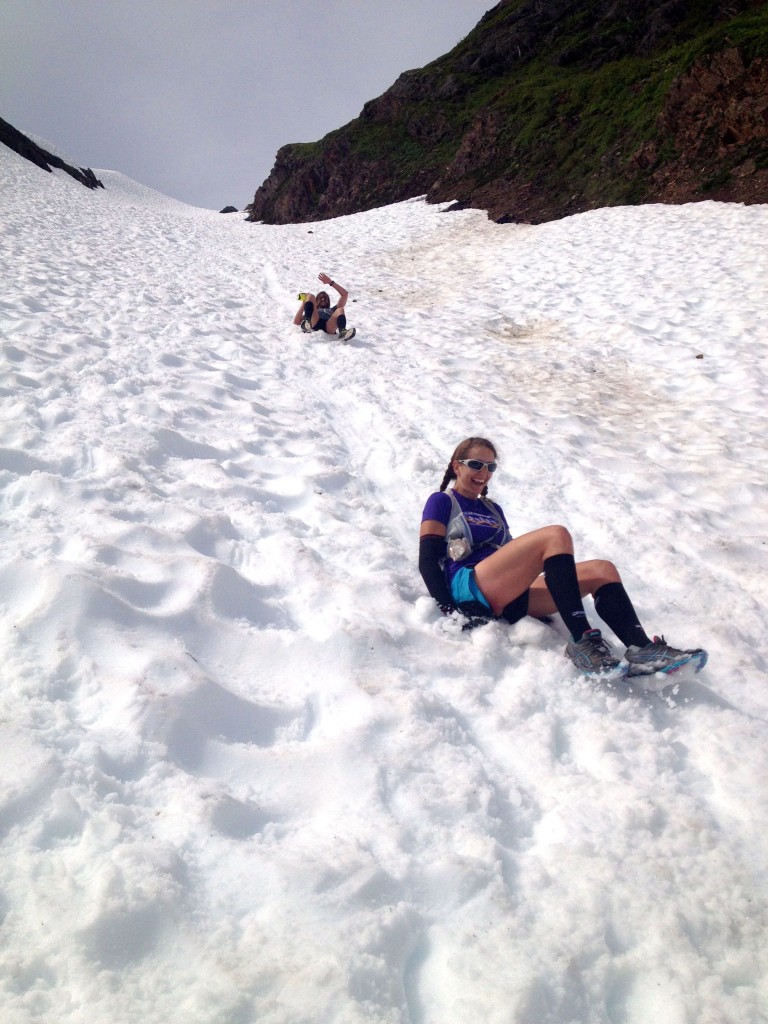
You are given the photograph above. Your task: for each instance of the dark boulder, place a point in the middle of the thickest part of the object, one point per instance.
(19, 143)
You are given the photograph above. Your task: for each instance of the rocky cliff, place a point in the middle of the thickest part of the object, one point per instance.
(19, 143)
(551, 107)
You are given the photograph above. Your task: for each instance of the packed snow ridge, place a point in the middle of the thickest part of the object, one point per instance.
(248, 773)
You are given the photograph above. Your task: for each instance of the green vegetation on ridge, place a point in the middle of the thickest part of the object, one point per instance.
(561, 96)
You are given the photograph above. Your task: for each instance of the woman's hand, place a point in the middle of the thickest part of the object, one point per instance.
(343, 293)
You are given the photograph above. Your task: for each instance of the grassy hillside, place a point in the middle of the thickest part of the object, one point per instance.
(556, 101)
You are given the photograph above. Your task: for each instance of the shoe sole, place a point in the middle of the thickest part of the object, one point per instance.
(635, 671)
(586, 669)
(656, 682)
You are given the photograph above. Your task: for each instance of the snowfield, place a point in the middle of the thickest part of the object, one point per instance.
(248, 773)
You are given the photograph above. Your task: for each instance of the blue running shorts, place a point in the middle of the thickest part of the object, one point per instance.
(464, 587)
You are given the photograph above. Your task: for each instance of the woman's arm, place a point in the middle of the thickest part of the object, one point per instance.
(343, 293)
(432, 550)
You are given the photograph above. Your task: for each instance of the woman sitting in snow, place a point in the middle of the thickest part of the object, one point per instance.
(471, 564)
(317, 314)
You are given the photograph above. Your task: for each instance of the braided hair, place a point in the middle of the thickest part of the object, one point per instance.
(462, 450)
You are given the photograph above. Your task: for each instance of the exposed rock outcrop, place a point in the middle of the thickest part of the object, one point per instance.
(547, 109)
(717, 117)
(30, 150)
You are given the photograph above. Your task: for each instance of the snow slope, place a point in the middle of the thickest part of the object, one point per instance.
(247, 772)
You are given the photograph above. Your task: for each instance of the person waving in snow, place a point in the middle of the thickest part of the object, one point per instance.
(317, 314)
(471, 564)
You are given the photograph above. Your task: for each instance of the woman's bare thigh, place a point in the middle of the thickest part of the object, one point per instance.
(512, 569)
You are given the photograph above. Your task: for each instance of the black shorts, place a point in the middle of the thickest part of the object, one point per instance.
(513, 612)
(517, 609)
(309, 309)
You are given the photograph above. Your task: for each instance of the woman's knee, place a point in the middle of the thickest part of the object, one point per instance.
(599, 571)
(558, 540)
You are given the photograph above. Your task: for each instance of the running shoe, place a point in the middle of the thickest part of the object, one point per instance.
(658, 656)
(347, 333)
(306, 326)
(592, 653)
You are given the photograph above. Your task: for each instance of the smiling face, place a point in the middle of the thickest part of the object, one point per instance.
(471, 482)
(322, 300)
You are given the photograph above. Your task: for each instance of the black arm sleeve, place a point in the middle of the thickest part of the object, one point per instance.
(431, 550)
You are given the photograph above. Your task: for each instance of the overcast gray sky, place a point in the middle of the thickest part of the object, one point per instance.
(195, 97)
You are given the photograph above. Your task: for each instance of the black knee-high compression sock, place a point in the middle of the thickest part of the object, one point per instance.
(309, 309)
(613, 605)
(341, 321)
(563, 585)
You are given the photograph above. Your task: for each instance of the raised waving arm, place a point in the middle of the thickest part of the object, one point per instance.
(343, 293)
